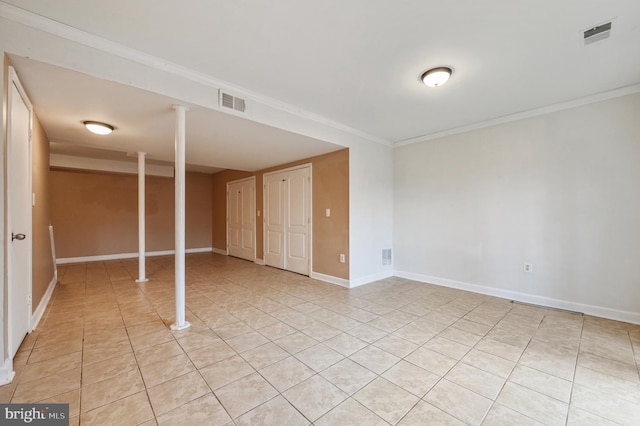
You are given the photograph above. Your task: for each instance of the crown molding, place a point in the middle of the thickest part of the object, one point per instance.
(76, 35)
(598, 97)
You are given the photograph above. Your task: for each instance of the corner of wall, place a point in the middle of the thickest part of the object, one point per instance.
(330, 279)
(370, 278)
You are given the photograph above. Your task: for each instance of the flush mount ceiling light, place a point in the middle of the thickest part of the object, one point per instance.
(436, 76)
(98, 128)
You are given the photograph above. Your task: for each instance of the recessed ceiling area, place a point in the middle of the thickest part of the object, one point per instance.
(145, 122)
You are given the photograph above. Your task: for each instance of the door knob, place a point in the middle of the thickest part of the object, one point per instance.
(17, 236)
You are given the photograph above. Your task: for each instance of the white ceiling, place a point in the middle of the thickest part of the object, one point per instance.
(145, 122)
(353, 62)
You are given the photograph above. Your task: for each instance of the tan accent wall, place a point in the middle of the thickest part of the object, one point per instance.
(330, 235)
(97, 213)
(42, 258)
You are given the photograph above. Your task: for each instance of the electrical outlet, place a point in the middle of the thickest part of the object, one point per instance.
(528, 267)
(342, 258)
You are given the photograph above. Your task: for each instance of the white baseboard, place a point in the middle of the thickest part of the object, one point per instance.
(197, 250)
(42, 306)
(220, 251)
(259, 262)
(6, 372)
(330, 279)
(370, 278)
(118, 256)
(598, 311)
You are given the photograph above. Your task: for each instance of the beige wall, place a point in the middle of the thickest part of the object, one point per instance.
(42, 260)
(330, 175)
(97, 213)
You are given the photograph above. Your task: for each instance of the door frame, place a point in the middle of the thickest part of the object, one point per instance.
(251, 178)
(264, 209)
(13, 79)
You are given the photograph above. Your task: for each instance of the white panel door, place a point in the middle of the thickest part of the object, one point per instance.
(298, 219)
(287, 208)
(234, 210)
(18, 216)
(241, 223)
(274, 220)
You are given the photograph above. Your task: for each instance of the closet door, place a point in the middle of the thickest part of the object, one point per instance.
(274, 220)
(241, 225)
(287, 230)
(298, 220)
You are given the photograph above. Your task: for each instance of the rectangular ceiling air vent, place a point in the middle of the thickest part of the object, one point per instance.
(235, 103)
(597, 33)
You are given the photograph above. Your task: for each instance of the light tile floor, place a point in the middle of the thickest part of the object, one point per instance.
(272, 347)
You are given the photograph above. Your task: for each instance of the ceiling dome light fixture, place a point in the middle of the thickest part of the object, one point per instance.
(98, 128)
(436, 76)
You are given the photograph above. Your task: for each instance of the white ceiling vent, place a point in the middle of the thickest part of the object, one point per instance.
(597, 33)
(231, 102)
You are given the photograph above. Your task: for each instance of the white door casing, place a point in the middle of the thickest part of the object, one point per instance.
(287, 219)
(18, 221)
(241, 224)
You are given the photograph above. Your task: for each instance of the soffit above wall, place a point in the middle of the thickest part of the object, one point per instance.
(145, 122)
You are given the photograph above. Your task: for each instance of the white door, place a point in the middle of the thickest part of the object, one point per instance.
(298, 220)
(18, 238)
(274, 220)
(287, 197)
(241, 224)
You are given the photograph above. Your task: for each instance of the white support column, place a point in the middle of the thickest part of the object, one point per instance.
(141, 220)
(180, 323)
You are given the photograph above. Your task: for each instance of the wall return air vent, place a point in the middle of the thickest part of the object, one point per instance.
(597, 33)
(231, 102)
(386, 257)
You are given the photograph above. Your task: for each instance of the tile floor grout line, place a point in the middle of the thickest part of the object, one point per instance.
(514, 367)
(146, 388)
(635, 355)
(506, 379)
(575, 371)
(81, 358)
